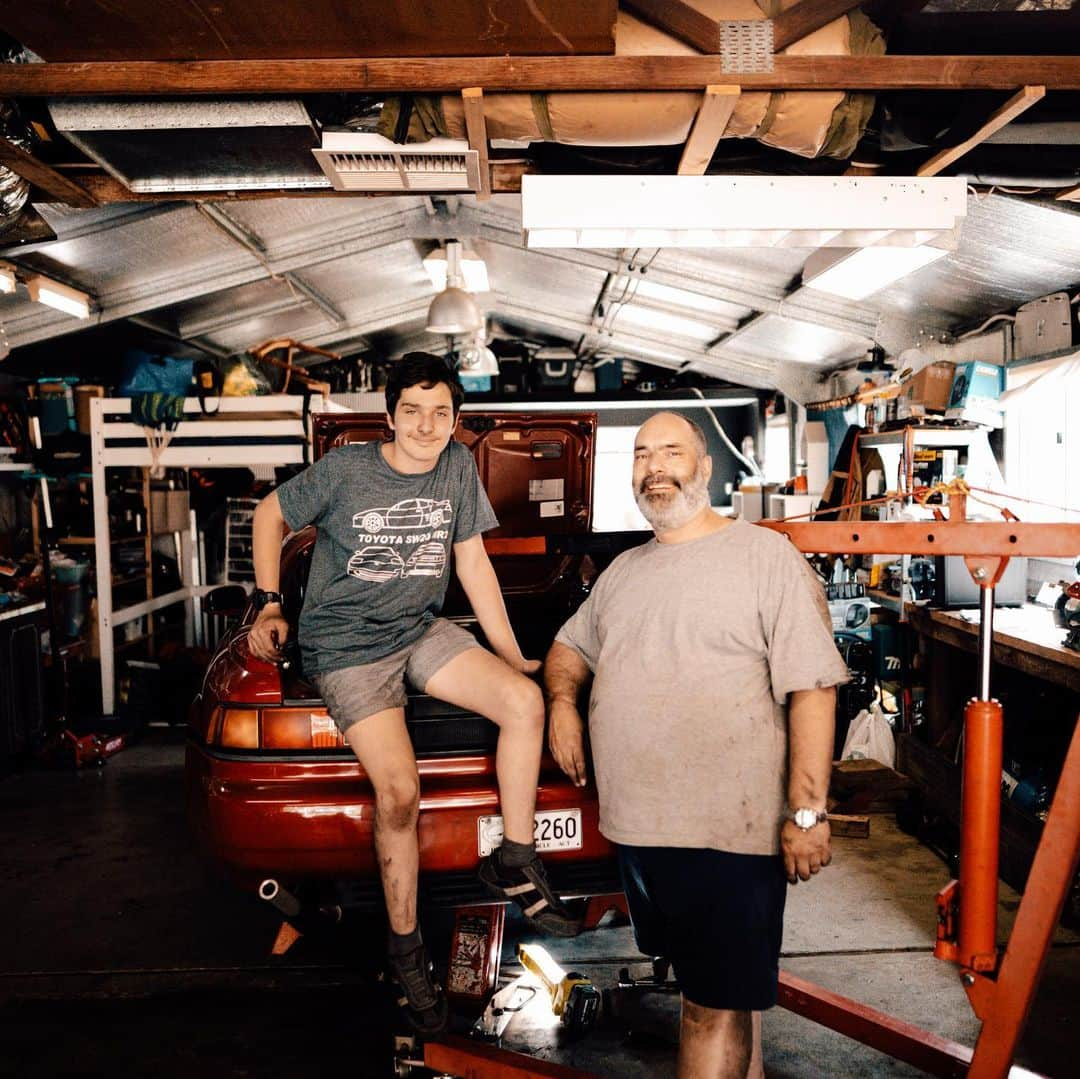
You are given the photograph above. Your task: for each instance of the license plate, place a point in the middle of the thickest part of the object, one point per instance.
(555, 829)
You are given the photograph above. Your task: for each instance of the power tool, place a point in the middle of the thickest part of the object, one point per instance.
(574, 999)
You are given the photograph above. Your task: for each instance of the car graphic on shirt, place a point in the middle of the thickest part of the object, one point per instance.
(376, 564)
(428, 560)
(409, 513)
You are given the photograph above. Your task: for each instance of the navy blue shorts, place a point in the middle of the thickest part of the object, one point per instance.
(718, 917)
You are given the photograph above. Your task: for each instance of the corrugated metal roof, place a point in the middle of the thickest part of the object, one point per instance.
(739, 314)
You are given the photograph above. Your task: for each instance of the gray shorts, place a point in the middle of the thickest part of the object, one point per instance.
(354, 693)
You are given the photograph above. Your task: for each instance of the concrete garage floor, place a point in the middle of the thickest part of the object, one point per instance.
(119, 955)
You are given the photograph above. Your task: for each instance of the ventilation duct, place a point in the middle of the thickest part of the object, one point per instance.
(228, 144)
(355, 161)
(14, 190)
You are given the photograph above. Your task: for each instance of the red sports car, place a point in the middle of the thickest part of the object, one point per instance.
(273, 791)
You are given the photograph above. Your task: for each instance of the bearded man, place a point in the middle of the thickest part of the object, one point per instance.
(711, 725)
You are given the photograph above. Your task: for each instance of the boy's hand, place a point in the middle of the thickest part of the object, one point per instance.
(268, 633)
(530, 666)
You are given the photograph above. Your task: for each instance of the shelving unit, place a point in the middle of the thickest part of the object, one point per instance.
(242, 432)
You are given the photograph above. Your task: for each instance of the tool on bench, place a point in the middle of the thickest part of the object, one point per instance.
(574, 999)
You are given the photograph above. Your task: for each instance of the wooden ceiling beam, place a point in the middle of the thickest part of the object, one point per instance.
(472, 98)
(1020, 102)
(57, 187)
(806, 17)
(712, 117)
(528, 74)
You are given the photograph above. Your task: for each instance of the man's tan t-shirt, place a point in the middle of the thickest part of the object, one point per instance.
(694, 648)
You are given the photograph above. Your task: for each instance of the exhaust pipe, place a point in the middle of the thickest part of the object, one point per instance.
(303, 917)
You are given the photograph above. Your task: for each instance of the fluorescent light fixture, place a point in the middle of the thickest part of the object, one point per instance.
(738, 211)
(861, 272)
(62, 297)
(7, 277)
(473, 270)
(630, 404)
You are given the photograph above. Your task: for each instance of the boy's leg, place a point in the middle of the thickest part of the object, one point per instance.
(483, 683)
(381, 744)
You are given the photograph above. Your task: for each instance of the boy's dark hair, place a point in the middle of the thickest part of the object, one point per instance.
(422, 369)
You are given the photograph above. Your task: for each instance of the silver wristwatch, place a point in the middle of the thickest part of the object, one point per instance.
(806, 818)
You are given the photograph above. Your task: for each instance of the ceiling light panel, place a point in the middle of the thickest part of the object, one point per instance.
(59, 297)
(860, 273)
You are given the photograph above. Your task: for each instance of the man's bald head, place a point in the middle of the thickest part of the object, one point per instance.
(665, 419)
(671, 471)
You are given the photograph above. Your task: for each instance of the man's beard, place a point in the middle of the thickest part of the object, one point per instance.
(673, 509)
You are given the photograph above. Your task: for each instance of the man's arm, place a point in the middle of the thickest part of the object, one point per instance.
(478, 578)
(811, 723)
(565, 672)
(270, 629)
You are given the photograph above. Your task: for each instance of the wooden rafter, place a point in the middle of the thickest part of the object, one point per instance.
(806, 17)
(476, 127)
(534, 73)
(1070, 194)
(58, 187)
(681, 20)
(1020, 102)
(713, 114)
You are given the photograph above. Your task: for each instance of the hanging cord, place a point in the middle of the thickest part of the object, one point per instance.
(755, 468)
(953, 487)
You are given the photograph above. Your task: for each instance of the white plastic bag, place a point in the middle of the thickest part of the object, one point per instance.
(870, 738)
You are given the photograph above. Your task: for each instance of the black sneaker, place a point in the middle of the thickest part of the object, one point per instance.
(422, 998)
(528, 887)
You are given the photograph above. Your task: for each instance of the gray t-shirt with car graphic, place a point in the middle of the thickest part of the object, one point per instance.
(381, 562)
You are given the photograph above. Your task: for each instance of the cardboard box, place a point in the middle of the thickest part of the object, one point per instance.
(169, 511)
(931, 386)
(975, 392)
(815, 452)
(977, 385)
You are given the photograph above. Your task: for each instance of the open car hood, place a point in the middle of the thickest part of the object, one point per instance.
(537, 468)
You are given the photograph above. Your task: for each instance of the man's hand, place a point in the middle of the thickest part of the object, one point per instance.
(805, 853)
(268, 633)
(566, 740)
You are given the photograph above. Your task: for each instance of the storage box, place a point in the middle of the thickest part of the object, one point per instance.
(169, 511)
(1043, 325)
(931, 386)
(975, 392)
(553, 368)
(977, 385)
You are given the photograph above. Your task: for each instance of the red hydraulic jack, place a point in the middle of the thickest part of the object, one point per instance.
(1001, 989)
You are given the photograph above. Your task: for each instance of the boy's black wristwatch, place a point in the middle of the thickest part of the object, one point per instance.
(262, 598)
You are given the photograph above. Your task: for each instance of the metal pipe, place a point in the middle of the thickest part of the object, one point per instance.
(986, 640)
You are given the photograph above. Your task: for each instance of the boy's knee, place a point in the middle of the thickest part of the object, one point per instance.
(397, 802)
(528, 705)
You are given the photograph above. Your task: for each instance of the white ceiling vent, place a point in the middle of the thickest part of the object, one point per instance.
(361, 162)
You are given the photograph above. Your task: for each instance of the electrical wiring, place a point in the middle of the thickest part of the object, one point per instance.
(754, 467)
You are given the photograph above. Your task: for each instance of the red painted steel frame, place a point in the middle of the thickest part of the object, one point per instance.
(1003, 1001)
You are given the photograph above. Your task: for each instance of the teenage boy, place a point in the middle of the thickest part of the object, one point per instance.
(388, 517)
